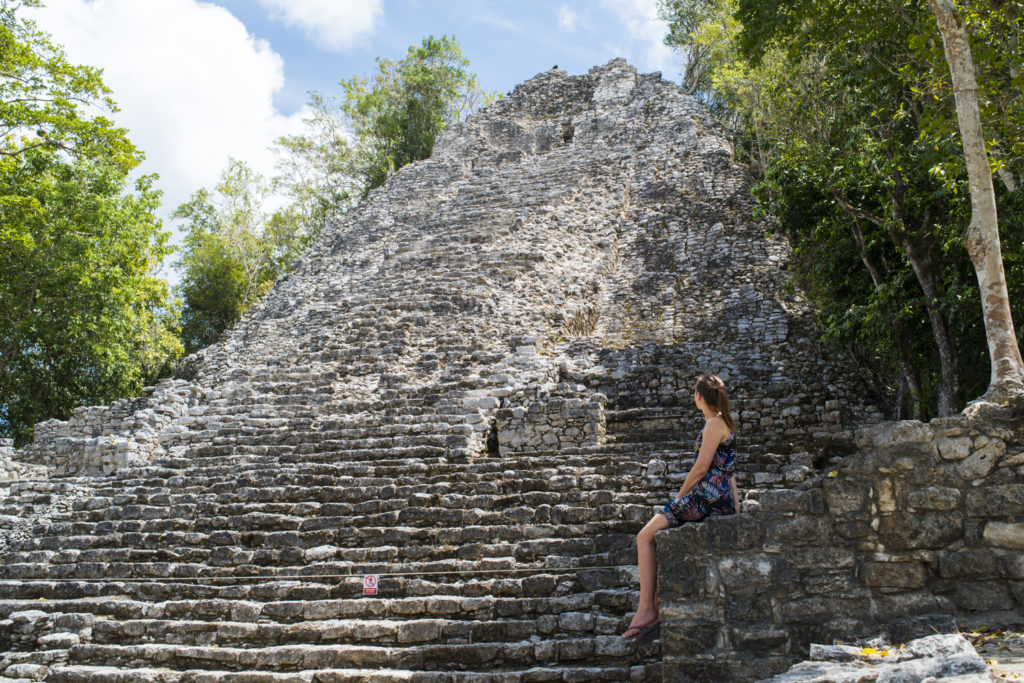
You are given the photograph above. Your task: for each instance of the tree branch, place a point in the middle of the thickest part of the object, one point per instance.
(854, 211)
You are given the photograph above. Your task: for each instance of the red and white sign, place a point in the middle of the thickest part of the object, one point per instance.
(370, 584)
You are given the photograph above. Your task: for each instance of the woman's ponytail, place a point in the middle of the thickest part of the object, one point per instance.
(712, 389)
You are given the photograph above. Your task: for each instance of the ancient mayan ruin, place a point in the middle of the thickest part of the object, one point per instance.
(475, 388)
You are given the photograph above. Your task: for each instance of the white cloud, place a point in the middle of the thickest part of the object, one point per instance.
(499, 22)
(567, 19)
(193, 86)
(647, 32)
(332, 24)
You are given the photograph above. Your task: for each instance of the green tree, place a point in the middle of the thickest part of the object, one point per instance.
(233, 252)
(48, 103)
(853, 133)
(317, 169)
(396, 120)
(235, 248)
(982, 239)
(83, 317)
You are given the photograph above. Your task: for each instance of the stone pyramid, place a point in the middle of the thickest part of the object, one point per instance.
(474, 387)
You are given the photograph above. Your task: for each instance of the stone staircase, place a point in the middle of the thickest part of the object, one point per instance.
(496, 569)
(248, 556)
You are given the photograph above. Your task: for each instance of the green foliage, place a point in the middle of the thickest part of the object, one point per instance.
(397, 119)
(45, 102)
(233, 252)
(849, 121)
(318, 169)
(689, 24)
(83, 318)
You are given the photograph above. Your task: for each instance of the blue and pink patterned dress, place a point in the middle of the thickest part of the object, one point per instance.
(712, 494)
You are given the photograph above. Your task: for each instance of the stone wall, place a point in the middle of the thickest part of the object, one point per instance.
(566, 418)
(925, 519)
(100, 440)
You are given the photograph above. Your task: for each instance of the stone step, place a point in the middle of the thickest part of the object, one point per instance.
(409, 526)
(311, 442)
(227, 550)
(310, 496)
(535, 555)
(395, 464)
(537, 583)
(595, 650)
(22, 665)
(537, 601)
(472, 541)
(500, 502)
(411, 420)
(601, 509)
(108, 674)
(640, 451)
(323, 453)
(350, 631)
(342, 500)
(255, 486)
(89, 674)
(472, 485)
(399, 459)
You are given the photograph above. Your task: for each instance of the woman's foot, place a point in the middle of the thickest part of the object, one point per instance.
(641, 621)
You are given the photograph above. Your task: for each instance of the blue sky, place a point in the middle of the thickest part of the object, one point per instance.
(199, 81)
(506, 42)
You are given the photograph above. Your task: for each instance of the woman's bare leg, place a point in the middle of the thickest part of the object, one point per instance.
(647, 562)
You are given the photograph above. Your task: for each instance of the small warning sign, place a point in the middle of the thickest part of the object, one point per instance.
(370, 584)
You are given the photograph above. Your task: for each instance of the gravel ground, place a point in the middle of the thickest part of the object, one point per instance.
(1003, 650)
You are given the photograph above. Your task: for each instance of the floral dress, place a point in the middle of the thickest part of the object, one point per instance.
(711, 495)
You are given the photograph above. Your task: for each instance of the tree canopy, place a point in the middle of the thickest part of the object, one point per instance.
(234, 251)
(84, 319)
(849, 123)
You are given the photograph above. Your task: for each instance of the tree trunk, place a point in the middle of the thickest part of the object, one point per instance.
(910, 375)
(1007, 374)
(923, 267)
(921, 262)
(911, 378)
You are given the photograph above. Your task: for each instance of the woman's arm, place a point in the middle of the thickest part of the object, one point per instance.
(735, 493)
(711, 436)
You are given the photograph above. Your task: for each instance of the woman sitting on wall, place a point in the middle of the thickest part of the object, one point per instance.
(709, 489)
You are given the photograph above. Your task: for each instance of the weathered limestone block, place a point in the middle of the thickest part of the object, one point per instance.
(909, 531)
(942, 498)
(955, 447)
(934, 657)
(1005, 535)
(896, 438)
(893, 574)
(12, 468)
(983, 459)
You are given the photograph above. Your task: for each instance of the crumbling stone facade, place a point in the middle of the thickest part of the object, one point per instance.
(100, 440)
(592, 226)
(924, 522)
(476, 386)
